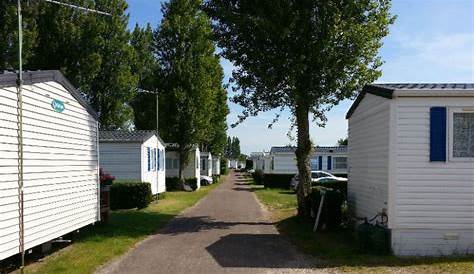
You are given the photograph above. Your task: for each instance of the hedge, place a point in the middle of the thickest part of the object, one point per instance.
(130, 194)
(172, 184)
(258, 177)
(277, 180)
(341, 186)
(215, 179)
(192, 182)
(373, 239)
(331, 213)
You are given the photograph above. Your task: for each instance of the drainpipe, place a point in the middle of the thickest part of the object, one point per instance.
(20, 140)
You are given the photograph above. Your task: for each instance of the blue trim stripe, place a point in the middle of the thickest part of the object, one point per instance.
(438, 134)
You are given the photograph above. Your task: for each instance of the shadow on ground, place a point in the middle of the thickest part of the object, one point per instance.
(255, 251)
(183, 224)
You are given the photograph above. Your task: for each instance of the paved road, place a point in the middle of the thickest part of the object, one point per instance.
(226, 232)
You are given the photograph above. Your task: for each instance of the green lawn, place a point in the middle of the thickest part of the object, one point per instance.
(338, 251)
(99, 244)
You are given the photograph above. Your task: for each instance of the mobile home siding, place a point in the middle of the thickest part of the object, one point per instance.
(369, 156)
(155, 177)
(192, 170)
(432, 199)
(60, 166)
(121, 160)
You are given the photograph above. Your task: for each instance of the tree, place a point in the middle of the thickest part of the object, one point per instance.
(343, 141)
(145, 67)
(235, 148)
(305, 56)
(91, 50)
(185, 54)
(228, 148)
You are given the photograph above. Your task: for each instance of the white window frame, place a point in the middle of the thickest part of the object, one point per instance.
(450, 133)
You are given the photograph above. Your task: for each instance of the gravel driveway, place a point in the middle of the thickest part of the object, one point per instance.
(227, 231)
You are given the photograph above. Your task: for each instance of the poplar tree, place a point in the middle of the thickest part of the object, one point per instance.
(185, 52)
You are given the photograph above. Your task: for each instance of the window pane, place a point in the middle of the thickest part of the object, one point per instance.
(340, 162)
(314, 164)
(463, 135)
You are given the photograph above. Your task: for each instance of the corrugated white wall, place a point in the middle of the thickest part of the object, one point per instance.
(216, 165)
(121, 160)
(155, 177)
(285, 163)
(190, 171)
(434, 201)
(60, 166)
(369, 156)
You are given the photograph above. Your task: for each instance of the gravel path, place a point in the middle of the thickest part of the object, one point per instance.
(226, 232)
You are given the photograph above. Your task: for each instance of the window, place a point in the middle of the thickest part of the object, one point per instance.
(175, 163)
(314, 164)
(463, 135)
(169, 163)
(340, 163)
(203, 164)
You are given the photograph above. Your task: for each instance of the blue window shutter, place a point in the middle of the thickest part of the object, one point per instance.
(329, 162)
(320, 163)
(438, 134)
(158, 160)
(148, 158)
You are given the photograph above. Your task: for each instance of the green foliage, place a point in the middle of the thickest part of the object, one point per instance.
(335, 185)
(192, 182)
(277, 180)
(223, 167)
(305, 56)
(130, 194)
(190, 79)
(173, 183)
(343, 141)
(145, 66)
(216, 179)
(331, 213)
(232, 149)
(373, 239)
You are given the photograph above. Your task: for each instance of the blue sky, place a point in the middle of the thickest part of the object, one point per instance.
(431, 41)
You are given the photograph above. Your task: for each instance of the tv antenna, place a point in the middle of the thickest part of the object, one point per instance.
(19, 84)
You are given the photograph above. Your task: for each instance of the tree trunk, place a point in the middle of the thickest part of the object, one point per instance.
(181, 168)
(302, 157)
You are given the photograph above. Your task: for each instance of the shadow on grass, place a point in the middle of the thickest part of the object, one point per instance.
(128, 223)
(339, 248)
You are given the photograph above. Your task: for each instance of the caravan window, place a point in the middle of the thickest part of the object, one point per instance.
(340, 162)
(463, 135)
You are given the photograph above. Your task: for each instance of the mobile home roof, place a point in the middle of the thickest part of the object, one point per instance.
(412, 89)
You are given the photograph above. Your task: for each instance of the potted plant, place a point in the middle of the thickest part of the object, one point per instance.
(106, 181)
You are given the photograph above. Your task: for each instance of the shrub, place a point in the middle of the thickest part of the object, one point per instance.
(216, 178)
(130, 194)
(258, 177)
(331, 213)
(373, 239)
(341, 186)
(192, 182)
(172, 184)
(277, 180)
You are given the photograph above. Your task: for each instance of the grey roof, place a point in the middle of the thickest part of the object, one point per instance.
(386, 90)
(8, 79)
(318, 149)
(127, 136)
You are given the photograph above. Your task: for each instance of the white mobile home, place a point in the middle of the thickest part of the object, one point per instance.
(411, 157)
(258, 162)
(206, 164)
(60, 161)
(134, 155)
(282, 160)
(216, 165)
(192, 169)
